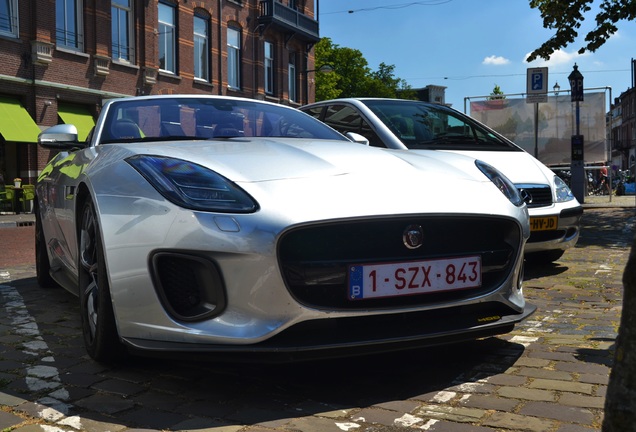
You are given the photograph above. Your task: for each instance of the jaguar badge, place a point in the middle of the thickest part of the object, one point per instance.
(413, 236)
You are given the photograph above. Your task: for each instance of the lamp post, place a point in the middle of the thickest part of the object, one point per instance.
(577, 164)
(325, 68)
(557, 89)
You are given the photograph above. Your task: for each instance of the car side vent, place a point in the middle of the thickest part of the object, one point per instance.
(190, 287)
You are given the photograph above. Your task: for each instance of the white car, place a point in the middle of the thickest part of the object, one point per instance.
(414, 125)
(203, 224)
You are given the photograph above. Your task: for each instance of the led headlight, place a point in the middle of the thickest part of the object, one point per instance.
(192, 186)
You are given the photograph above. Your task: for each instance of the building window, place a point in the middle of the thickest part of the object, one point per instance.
(292, 77)
(269, 67)
(68, 24)
(122, 28)
(9, 18)
(167, 38)
(233, 58)
(201, 48)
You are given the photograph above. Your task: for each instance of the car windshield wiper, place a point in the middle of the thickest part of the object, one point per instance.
(460, 142)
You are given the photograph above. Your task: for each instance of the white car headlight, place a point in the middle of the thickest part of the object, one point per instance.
(501, 181)
(563, 192)
(192, 186)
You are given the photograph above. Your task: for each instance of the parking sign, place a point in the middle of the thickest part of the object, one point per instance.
(537, 85)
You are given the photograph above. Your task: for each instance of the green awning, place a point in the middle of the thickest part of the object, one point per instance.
(78, 116)
(15, 122)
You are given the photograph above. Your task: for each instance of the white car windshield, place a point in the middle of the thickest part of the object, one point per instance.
(162, 119)
(427, 126)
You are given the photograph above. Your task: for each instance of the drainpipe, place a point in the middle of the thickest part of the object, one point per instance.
(220, 62)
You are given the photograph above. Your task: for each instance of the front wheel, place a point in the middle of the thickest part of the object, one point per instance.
(98, 320)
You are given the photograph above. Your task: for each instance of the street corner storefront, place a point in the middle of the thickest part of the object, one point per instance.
(18, 156)
(77, 115)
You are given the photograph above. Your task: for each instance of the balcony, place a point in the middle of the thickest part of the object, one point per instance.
(277, 14)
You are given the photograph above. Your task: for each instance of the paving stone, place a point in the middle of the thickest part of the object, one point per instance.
(568, 386)
(527, 394)
(519, 422)
(557, 412)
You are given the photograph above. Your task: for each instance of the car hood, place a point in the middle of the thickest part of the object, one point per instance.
(520, 167)
(244, 160)
(302, 180)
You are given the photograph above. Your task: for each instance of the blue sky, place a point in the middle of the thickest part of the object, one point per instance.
(469, 46)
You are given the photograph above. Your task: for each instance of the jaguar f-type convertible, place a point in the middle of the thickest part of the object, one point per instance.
(207, 224)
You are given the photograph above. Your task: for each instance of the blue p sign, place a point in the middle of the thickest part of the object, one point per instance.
(537, 81)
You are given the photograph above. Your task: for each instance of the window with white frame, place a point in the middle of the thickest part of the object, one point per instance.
(201, 47)
(233, 58)
(9, 18)
(167, 38)
(269, 67)
(69, 24)
(293, 96)
(122, 30)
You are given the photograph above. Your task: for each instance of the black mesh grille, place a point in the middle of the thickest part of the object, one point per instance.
(190, 287)
(314, 260)
(541, 196)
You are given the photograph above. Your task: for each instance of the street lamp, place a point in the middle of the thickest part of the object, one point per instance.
(577, 166)
(556, 89)
(326, 68)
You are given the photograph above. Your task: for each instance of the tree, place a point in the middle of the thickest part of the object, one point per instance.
(566, 18)
(496, 93)
(352, 76)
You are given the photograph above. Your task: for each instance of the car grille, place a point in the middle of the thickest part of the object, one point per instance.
(314, 259)
(541, 195)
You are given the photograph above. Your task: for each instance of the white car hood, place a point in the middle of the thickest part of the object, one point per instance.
(245, 160)
(519, 167)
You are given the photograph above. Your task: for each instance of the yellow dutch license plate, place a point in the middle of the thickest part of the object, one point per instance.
(546, 223)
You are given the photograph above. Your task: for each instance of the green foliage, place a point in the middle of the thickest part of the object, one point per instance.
(352, 76)
(566, 17)
(496, 93)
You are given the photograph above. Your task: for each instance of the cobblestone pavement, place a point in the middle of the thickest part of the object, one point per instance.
(549, 375)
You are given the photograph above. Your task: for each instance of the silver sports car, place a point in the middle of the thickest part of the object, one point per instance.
(203, 224)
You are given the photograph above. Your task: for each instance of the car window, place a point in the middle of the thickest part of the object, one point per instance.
(429, 126)
(344, 118)
(156, 119)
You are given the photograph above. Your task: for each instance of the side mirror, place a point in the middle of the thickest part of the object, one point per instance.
(61, 137)
(357, 138)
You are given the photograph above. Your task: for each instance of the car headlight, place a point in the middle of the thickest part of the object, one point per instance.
(501, 181)
(563, 192)
(192, 186)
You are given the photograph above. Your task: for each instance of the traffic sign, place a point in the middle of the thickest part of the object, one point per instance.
(537, 85)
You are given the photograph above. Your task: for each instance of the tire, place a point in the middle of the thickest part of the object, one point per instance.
(546, 257)
(42, 264)
(98, 320)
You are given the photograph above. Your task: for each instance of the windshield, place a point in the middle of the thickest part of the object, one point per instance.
(179, 118)
(428, 126)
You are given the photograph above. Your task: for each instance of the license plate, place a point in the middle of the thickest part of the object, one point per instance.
(543, 223)
(413, 277)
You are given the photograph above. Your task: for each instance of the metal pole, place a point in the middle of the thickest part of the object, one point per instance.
(536, 130)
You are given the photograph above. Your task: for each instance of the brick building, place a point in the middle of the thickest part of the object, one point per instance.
(59, 59)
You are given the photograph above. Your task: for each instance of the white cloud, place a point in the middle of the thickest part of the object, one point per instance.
(495, 60)
(557, 58)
